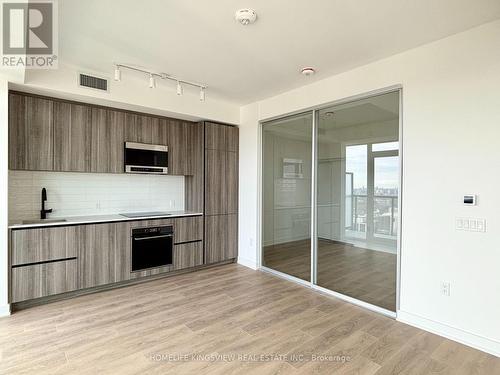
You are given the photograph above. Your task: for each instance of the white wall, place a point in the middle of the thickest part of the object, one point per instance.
(75, 194)
(4, 139)
(451, 132)
(132, 93)
(249, 180)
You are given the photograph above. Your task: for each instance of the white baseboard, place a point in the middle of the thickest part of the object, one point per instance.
(4, 310)
(247, 263)
(473, 340)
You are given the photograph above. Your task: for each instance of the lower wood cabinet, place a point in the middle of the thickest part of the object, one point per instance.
(54, 260)
(105, 254)
(188, 255)
(44, 279)
(44, 244)
(221, 238)
(188, 229)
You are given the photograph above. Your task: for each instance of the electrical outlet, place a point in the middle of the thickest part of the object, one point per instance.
(250, 242)
(445, 288)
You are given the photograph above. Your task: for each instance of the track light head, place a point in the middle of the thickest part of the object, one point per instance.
(118, 73)
(152, 82)
(179, 88)
(202, 94)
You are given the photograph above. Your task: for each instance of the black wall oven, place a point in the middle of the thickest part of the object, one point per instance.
(146, 158)
(152, 247)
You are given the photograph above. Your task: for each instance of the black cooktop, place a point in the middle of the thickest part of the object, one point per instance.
(145, 214)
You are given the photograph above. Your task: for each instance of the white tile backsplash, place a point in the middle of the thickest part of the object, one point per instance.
(75, 194)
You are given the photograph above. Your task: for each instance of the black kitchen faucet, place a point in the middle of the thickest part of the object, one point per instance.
(43, 211)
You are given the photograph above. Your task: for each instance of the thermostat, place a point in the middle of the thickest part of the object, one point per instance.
(469, 200)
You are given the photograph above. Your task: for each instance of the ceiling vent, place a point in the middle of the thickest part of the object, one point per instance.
(93, 82)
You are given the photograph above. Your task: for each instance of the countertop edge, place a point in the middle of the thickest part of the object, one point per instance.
(100, 221)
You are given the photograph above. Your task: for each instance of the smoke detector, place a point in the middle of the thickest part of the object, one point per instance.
(245, 16)
(307, 71)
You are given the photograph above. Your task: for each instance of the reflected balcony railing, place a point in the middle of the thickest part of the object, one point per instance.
(385, 215)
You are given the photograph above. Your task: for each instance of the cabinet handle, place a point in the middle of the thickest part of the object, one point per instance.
(151, 237)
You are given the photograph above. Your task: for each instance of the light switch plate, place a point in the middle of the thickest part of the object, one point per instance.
(469, 224)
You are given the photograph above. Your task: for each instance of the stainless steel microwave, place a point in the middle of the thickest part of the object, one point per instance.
(146, 158)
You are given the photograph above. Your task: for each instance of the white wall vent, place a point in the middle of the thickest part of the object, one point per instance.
(93, 82)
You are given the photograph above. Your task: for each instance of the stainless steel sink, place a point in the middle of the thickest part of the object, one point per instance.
(44, 221)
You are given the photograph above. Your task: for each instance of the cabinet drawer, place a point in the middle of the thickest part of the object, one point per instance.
(188, 229)
(188, 255)
(44, 244)
(45, 279)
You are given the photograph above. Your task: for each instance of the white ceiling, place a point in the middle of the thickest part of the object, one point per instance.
(201, 41)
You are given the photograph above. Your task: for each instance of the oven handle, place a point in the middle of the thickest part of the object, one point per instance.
(151, 237)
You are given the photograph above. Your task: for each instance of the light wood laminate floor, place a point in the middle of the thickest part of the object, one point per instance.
(364, 274)
(227, 309)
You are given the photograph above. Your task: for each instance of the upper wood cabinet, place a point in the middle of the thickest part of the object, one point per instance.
(31, 132)
(177, 153)
(52, 134)
(215, 136)
(139, 128)
(221, 169)
(108, 137)
(185, 147)
(232, 138)
(221, 137)
(72, 137)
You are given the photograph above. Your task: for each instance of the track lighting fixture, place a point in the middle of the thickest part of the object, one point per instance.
(118, 73)
(152, 82)
(154, 75)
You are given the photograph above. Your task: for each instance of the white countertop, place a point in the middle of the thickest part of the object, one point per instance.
(72, 220)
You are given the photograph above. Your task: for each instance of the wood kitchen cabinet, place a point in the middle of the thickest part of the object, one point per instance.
(231, 187)
(221, 238)
(221, 192)
(187, 229)
(48, 134)
(221, 169)
(43, 261)
(188, 255)
(215, 182)
(215, 136)
(42, 280)
(221, 137)
(232, 138)
(72, 137)
(46, 261)
(31, 131)
(108, 137)
(161, 132)
(104, 256)
(44, 244)
(194, 181)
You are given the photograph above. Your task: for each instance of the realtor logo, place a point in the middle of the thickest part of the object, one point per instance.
(29, 34)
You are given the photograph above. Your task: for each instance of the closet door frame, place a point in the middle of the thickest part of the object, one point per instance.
(314, 238)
